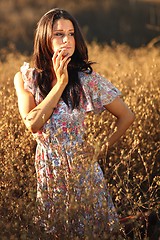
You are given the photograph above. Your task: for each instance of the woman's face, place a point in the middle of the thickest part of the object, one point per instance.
(63, 37)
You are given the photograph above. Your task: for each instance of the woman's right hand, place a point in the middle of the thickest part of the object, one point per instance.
(60, 64)
(34, 116)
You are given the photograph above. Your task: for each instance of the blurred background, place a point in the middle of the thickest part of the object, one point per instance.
(134, 22)
(123, 35)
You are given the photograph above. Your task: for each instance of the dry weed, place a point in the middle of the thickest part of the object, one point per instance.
(131, 167)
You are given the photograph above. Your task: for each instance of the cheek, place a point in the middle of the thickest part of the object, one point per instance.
(55, 45)
(74, 44)
(74, 41)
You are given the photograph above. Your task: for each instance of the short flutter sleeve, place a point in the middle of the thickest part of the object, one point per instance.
(28, 75)
(98, 91)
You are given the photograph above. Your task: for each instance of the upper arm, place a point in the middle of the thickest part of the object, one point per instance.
(26, 100)
(119, 108)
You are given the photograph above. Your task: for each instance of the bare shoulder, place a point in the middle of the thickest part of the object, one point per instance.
(26, 100)
(18, 81)
(22, 93)
(17, 77)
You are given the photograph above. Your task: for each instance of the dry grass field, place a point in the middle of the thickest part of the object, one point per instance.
(131, 167)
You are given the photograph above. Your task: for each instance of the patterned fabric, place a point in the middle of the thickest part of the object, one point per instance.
(72, 195)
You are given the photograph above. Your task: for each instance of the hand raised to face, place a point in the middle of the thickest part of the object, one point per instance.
(60, 62)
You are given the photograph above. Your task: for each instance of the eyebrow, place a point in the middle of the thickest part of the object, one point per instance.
(60, 30)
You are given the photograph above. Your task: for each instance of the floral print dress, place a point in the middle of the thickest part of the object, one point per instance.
(72, 195)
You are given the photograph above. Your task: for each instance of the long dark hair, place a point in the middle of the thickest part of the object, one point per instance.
(43, 52)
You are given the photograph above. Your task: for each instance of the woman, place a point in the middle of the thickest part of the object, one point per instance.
(54, 98)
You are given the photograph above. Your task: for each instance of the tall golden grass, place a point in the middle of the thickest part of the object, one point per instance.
(131, 167)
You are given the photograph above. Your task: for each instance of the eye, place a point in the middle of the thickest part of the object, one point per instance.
(59, 34)
(71, 34)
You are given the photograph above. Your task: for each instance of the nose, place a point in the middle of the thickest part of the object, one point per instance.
(65, 39)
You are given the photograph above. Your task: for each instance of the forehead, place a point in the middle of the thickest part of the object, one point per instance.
(61, 24)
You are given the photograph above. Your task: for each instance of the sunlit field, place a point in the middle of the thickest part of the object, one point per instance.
(131, 167)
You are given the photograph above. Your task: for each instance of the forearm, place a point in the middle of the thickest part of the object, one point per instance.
(36, 118)
(121, 125)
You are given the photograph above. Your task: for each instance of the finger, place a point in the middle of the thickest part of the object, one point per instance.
(64, 63)
(56, 58)
(55, 55)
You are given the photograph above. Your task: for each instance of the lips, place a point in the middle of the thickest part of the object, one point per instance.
(65, 48)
